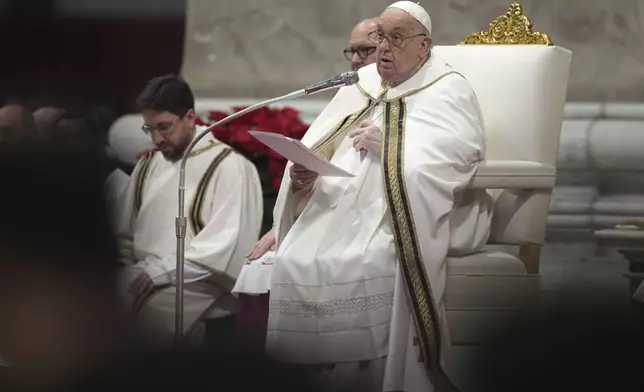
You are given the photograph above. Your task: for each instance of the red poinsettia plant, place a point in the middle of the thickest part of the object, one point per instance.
(285, 121)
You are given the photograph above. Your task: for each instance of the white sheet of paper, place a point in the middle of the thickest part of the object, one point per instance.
(296, 152)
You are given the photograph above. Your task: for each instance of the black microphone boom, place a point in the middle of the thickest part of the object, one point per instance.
(345, 79)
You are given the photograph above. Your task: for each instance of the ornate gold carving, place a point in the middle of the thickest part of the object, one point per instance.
(513, 28)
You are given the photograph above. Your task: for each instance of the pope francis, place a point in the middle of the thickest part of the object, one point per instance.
(357, 290)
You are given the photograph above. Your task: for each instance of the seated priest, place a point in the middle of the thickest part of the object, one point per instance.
(358, 283)
(224, 209)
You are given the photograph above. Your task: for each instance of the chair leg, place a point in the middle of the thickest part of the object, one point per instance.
(530, 255)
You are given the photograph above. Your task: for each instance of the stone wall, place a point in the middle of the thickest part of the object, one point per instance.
(250, 48)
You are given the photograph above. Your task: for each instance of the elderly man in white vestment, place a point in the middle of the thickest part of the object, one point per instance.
(223, 206)
(357, 290)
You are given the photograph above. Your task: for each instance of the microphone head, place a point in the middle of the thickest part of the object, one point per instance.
(350, 78)
(344, 79)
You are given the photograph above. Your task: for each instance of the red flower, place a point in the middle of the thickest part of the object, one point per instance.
(276, 169)
(222, 133)
(285, 121)
(199, 121)
(216, 116)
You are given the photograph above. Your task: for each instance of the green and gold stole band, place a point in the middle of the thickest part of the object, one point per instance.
(408, 249)
(144, 165)
(196, 222)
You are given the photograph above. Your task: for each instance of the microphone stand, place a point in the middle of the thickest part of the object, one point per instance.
(344, 79)
(181, 221)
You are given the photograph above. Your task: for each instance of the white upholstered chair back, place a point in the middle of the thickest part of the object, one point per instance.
(522, 92)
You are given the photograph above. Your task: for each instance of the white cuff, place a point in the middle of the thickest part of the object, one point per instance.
(158, 273)
(255, 276)
(163, 271)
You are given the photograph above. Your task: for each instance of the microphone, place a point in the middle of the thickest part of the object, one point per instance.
(344, 79)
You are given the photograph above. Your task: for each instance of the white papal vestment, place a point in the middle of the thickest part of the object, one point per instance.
(360, 269)
(224, 211)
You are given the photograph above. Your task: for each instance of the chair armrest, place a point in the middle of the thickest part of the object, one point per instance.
(514, 175)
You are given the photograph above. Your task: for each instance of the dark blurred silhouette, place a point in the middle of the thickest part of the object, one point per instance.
(63, 327)
(27, 10)
(16, 121)
(216, 369)
(584, 344)
(58, 264)
(100, 58)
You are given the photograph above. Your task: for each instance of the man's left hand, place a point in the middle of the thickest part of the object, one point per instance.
(141, 288)
(367, 137)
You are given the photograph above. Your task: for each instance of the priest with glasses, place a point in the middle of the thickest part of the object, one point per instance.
(223, 208)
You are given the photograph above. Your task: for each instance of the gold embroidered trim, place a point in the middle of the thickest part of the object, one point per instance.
(211, 144)
(196, 222)
(331, 308)
(407, 244)
(144, 167)
(144, 164)
(412, 92)
(351, 328)
(366, 94)
(407, 94)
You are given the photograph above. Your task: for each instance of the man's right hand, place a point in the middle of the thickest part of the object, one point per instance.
(302, 176)
(266, 243)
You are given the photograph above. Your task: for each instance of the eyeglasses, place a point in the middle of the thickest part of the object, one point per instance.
(363, 52)
(395, 40)
(163, 128)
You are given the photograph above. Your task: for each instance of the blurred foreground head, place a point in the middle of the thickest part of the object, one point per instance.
(57, 261)
(16, 121)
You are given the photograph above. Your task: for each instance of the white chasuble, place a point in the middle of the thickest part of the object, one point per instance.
(360, 268)
(223, 206)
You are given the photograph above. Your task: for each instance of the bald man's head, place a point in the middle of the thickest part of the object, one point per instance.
(361, 50)
(365, 26)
